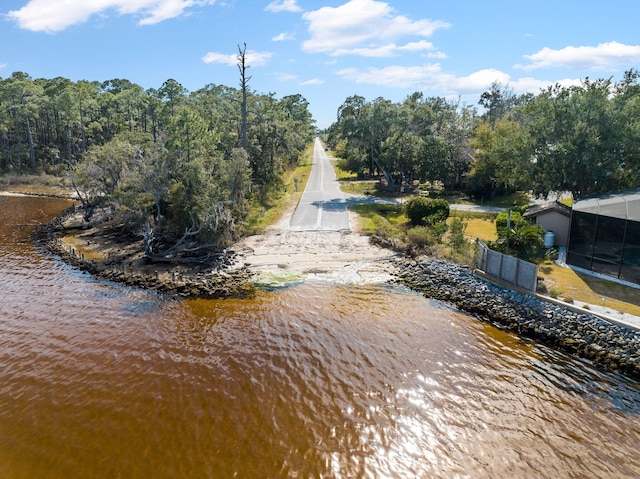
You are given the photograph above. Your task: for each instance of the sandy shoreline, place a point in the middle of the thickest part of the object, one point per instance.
(38, 190)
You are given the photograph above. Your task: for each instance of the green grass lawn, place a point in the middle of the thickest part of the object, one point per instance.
(568, 284)
(483, 229)
(372, 216)
(364, 187)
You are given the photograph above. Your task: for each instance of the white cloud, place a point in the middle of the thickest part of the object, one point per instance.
(437, 55)
(388, 50)
(56, 15)
(363, 27)
(480, 80)
(417, 46)
(285, 77)
(282, 37)
(253, 58)
(533, 85)
(602, 57)
(425, 77)
(3, 66)
(395, 76)
(283, 6)
(288, 77)
(313, 81)
(430, 77)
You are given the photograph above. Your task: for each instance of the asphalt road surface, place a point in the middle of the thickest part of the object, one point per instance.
(323, 207)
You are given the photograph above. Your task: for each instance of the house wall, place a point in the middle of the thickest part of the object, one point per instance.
(558, 223)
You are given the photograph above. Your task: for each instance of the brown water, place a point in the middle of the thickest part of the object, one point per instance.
(101, 381)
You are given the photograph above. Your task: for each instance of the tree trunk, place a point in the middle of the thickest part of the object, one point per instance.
(83, 130)
(32, 150)
(69, 159)
(391, 184)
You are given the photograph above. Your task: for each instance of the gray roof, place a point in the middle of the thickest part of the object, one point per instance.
(546, 208)
(621, 204)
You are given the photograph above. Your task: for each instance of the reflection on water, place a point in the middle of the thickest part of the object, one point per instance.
(311, 381)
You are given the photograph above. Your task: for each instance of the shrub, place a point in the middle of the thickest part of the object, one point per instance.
(541, 287)
(517, 221)
(421, 236)
(417, 209)
(456, 235)
(425, 212)
(461, 250)
(388, 236)
(439, 229)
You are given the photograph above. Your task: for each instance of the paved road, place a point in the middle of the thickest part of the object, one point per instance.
(476, 208)
(323, 207)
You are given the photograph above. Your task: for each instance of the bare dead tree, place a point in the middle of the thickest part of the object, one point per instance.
(188, 248)
(244, 82)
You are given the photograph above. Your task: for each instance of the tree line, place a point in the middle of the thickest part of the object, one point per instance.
(173, 163)
(583, 139)
(195, 164)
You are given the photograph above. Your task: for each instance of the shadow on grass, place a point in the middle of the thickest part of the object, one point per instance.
(611, 289)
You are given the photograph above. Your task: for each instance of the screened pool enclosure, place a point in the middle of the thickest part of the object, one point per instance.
(605, 235)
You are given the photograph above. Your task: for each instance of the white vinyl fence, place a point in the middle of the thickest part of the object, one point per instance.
(507, 268)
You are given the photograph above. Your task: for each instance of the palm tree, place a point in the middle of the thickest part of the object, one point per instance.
(526, 242)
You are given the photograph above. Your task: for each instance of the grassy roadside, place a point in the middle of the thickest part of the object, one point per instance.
(478, 225)
(274, 207)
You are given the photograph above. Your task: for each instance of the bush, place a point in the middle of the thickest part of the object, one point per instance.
(517, 221)
(541, 287)
(388, 236)
(456, 235)
(421, 236)
(417, 209)
(426, 212)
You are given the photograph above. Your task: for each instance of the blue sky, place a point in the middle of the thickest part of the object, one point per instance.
(325, 50)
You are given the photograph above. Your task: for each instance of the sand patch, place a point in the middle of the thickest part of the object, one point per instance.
(335, 256)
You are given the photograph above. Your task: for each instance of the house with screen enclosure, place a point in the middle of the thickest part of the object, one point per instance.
(605, 235)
